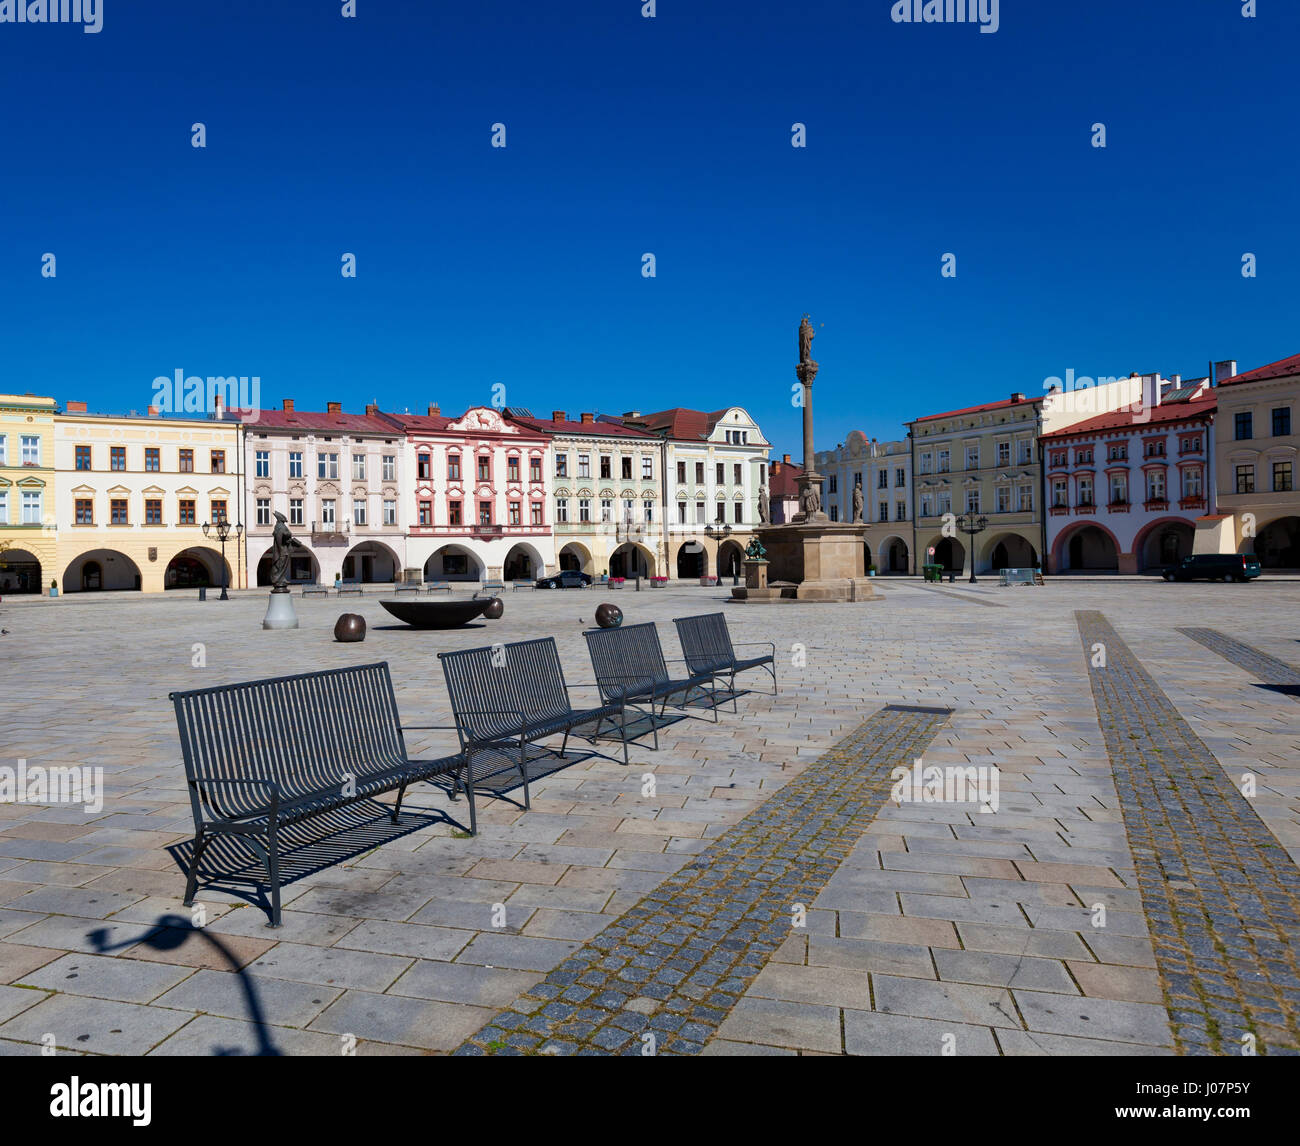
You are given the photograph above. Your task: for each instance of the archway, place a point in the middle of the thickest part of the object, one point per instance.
(1088, 548)
(453, 563)
(893, 556)
(576, 557)
(951, 554)
(1010, 551)
(304, 569)
(692, 560)
(1164, 543)
(194, 568)
(523, 563)
(630, 560)
(371, 562)
(731, 558)
(1278, 544)
(866, 557)
(99, 570)
(20, 572)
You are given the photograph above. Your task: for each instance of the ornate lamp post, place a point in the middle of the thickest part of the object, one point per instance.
(223, 535)
(969, 524)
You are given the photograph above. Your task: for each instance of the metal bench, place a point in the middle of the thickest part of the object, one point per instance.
(315, 590)
(268, 753)
(490, 589)
(505, 698)
(438, 587)
(517, 585)
(706, 644)
(630, 667)
(352, 586)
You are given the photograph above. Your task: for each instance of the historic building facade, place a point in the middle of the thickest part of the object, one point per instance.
(28, 511)
(339, 480)
(1255, 463)
(883, 472)
(607, 507)
(133, 494)
(1125, 489)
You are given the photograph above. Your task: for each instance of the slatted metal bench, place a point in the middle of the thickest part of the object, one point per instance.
(490, 589)
(630, 667)
(706, 644)
(352, 587)
(315, 590)
(507, 697)
(268, 753)
(438, 587)
(517, 585)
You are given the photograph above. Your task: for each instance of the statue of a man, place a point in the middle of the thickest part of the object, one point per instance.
(762, 504)
(858, 502)
(282, 546)
(812, 500)
(806, 335)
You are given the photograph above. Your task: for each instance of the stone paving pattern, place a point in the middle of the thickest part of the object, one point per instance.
(1267, 668)
(1220, 892)
(941, 929)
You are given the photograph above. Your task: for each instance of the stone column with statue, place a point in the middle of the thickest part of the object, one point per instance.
(280, 612)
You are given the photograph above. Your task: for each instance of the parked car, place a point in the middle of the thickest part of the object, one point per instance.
(564, 579)
(1215, 567)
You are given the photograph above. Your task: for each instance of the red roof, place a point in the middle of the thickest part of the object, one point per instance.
(785, 480)
(1120, 419)
(601, 428)
(1280, 369)
(688, 425)
(429, 424)
(1006, 402)
(318, 420)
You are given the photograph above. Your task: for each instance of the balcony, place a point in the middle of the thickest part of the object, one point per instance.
(1196, 501)
(328, 533)
(1156, 504)
(1119, 505)
(486, 529)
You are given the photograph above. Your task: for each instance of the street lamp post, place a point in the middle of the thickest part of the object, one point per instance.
(969, 524)
(223, 535)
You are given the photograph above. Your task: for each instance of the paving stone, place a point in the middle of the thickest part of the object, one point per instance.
(401, 1020)
(330, 966)
(1076, 1015)
(798, 1025)
(98, 1025)
(259, 999)
(870, 1033)
(1004, 970)
(126, 980)
(950, 1002)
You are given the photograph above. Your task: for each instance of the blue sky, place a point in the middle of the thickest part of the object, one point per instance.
(628, 135)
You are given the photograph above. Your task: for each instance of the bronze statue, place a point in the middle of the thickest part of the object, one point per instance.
(282, 545)
(858, 502)
(806, 335)
(755, 549)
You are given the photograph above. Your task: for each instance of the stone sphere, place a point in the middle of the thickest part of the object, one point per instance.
(350, 627)
(609, 616)
(494, 609)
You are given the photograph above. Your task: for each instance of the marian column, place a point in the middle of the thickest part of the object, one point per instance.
(810, 497)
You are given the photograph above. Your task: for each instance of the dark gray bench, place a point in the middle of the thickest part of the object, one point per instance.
(706, 644)
(630, 667)
(517, 585)
(507, 697)
(313, 590)
(350, 586)
(406, 589)
(490, 589)
(438, 587)
(268, 753)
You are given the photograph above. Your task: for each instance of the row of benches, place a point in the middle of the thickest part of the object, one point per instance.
(264, 754)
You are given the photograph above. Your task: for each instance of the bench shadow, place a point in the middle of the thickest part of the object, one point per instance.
(323, 841)
(1291, 690)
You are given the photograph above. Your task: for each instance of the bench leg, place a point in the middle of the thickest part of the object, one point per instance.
(523, 770)
(273, 869)
(734, 707)
(191, 883)
(622, 727)
(468, 785)
(397, 808)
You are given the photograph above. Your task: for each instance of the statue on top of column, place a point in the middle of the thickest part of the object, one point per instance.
(806, 335)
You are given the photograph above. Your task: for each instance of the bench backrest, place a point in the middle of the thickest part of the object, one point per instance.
(306, 733)
(626, 660)
(495, 689)
(706, 642)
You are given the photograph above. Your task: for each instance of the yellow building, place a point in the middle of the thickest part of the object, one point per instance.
(133, 495)
(28, 537)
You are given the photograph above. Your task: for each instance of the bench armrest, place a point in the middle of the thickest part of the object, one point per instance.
(751, 644)
(420, 727)
(201, 782)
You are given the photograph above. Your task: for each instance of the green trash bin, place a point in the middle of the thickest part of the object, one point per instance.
(932, 572)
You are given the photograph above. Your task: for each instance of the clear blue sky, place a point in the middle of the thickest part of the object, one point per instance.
(628, 135)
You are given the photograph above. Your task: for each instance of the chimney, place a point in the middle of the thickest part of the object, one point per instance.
(1017, 397)
(74, 408)
(153, 411)
(435, 411)
(372, 409)
(1225, 369)
(588, 419)
(785, 458)
(334, 407)
(558, 416)
(1176, 379)
(632, 413)
(288, 405)
(218, 407)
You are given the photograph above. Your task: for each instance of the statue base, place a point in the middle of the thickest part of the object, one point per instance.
(814, 561)
(280, 613)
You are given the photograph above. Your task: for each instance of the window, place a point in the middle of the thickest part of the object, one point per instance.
(188, 515)
(925, 463)
(628, 504)
(83, 457)
(561, 509)
(681, 513)
(263, 511)
(537, 513)
(358, 511)
(1282, 477)
(647, 467)
(1190, 445)
(900, 511)
(4, 451)
(1282, 422)
(1156, 485)
(1192, 482)
(512, 469)
(720, 512)
(972, 501)
(584, 465)
(327, 513)
(1245, 479)
(1060, 493)
(358, 467)
(187, 461)
(32, 507)
(455, 514)
(943, 462)
(884, 511)
(117, 511)
(927, 505)
(833, 483)
(606, 509)
(900, 477)
(1085, 491)
(453, 467)
(389, 467)
(1082, 457)
(218, 461)
(1244, 426)
(31, 448)
(218, 511)
(584, 509)
(485, 513)
(116, 457)
(882, 479)
(514, 517)
(561, 465)
(720, 473)
(1004, 499)
(425, 512)
(681, 473)
(648, 510)
(1058, 459)
(1118, 452)
(295, 510)
(973, 457)
(1118, 489)
(153, 511)
(1004, 453)
(699, 512)
(1025, 502)
(261, 463)
(1155, 448)
(605, 466)
(1026, 454)
(739, 512)
(945, 502)
(699, 473)
(295, 463)
(85, 511)
(390, 511)
(534, 469)
(327, 466)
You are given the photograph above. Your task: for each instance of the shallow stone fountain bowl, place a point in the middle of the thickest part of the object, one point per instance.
(437, 614)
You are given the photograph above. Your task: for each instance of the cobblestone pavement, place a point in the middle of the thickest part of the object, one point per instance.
(1268, 669)
(664, 977)
(942, 928)
(1220, 892)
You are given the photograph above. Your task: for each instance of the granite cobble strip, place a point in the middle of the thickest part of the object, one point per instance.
(1260, 664)
(673, 967)
(1221, 895)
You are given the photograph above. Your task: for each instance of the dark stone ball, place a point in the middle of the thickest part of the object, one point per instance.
(350, 627)
(494, 609)
(609, 616)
